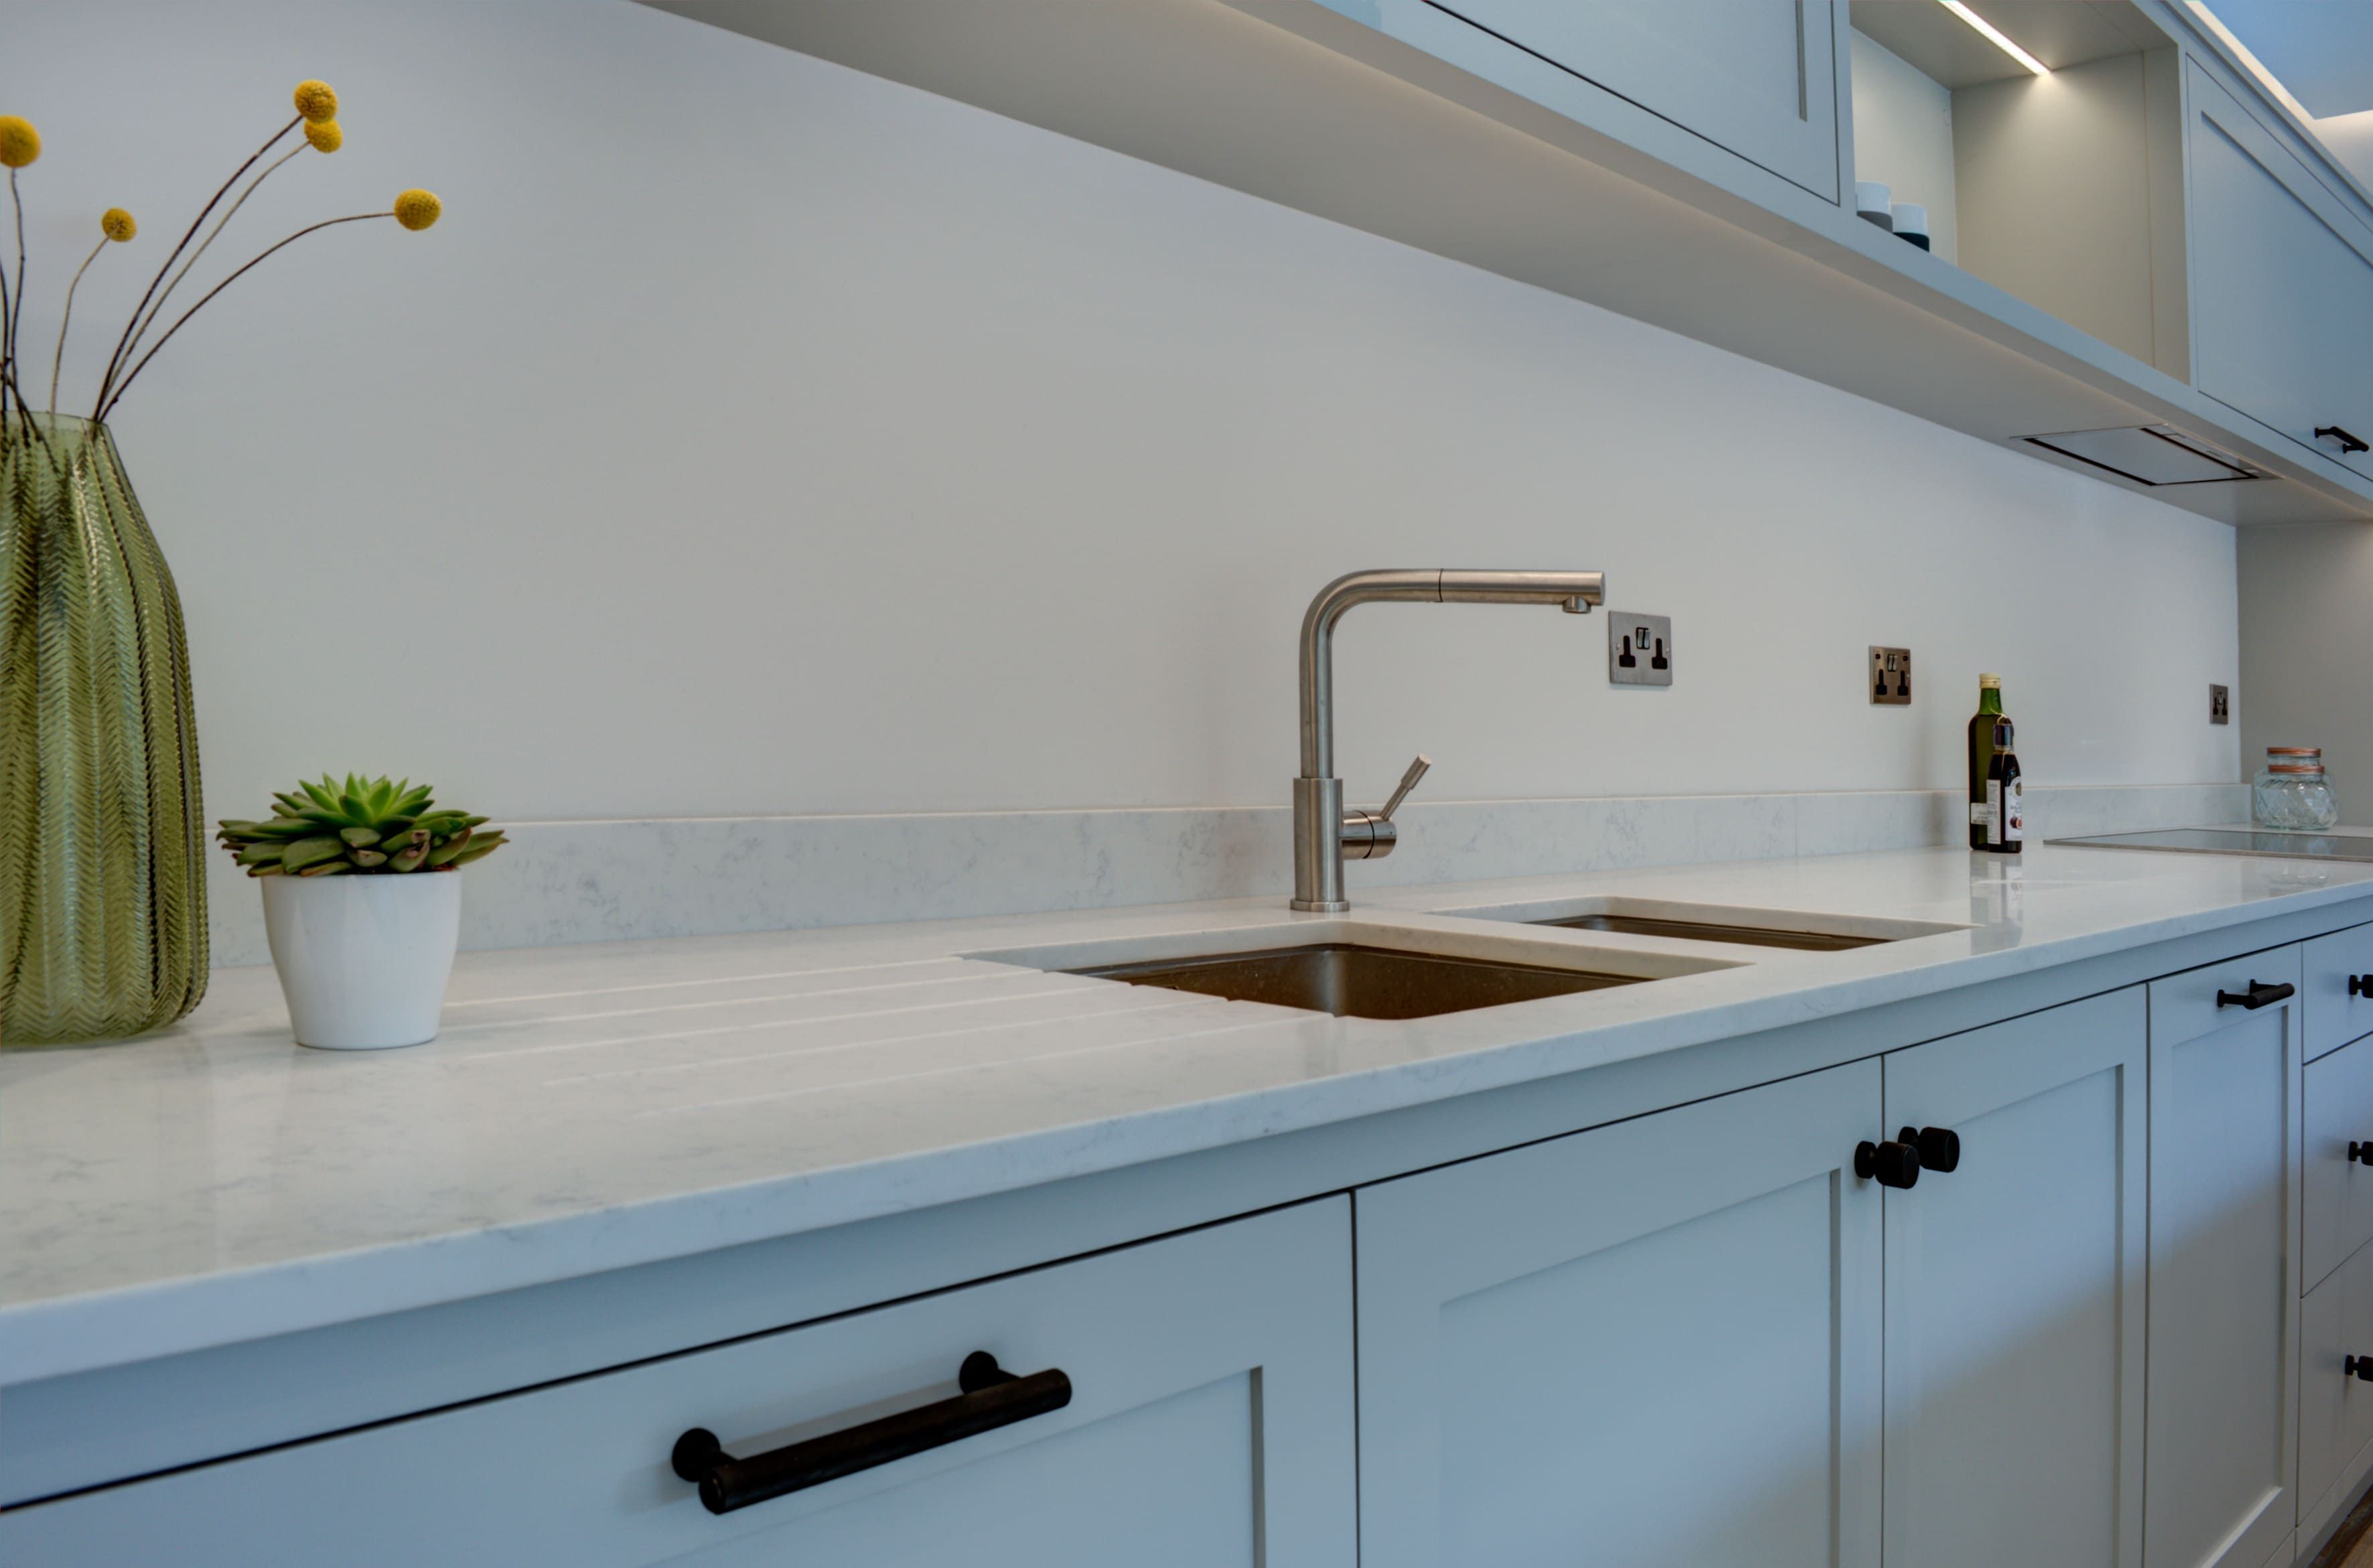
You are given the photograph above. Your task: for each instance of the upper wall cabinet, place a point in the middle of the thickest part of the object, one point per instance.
(2143, 270)
(1755, 78)
(2283, 303)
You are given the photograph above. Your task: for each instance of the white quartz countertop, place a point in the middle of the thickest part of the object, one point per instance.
(592, 1108)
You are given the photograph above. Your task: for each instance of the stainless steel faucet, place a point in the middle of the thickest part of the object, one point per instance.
(1324, 833)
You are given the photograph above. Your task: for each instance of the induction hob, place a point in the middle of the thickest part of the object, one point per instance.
(2237, 842)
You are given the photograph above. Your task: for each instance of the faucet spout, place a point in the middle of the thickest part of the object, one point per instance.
(1319, 821)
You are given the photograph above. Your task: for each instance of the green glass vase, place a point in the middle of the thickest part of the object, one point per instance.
(102, 841)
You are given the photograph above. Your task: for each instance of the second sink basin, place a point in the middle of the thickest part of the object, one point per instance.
(1359, 980)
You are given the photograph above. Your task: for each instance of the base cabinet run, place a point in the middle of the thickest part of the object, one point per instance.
(1209, 1422)
(1661, 1341)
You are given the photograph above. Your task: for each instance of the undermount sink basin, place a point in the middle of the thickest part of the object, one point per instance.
(1358, 981)
(1708, 931)
(1803, 931)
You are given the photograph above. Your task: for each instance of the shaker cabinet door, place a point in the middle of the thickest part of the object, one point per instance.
(1652, 1343)
(2014, 1294)
(2221, 1450)
(1208, 1422)
(1758, 78)
(2281, 283)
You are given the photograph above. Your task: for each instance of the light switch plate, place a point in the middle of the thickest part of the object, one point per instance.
(1888, 680)
(1638, 649)
(2220, 706)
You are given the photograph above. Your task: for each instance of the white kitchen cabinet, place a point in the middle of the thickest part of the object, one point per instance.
(1209, 1422)
(2225, 1171)
(2014, 1295)
(2282, 283)
(1755, 77)
(2335, 1404)
(2337, 1002)
(2337, 1182)
(1650, 1343)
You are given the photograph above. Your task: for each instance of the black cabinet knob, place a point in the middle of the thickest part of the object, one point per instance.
(1940, 1147)
(2360, 984)
(2359, 1367)
(2257, 995)
(1890, 1165)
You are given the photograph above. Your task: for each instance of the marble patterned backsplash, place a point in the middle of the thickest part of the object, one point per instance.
(603, 880)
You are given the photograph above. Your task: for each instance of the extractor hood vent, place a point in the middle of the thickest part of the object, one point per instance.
(2150, 454)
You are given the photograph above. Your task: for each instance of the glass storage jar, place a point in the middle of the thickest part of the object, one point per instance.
(2291, 793)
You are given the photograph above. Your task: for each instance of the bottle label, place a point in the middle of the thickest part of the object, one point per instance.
(2005, 818)
(1978, 814)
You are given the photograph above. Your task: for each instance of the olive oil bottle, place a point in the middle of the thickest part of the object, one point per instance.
(1982, 753)
(2005, 811)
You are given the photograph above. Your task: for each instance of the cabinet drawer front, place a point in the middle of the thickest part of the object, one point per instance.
(2332, 1014)
(2335, 1409)
(2183, 1007)
(2339, 1196)
(2282, 281)
(1652, 1343)
(1209, 1423)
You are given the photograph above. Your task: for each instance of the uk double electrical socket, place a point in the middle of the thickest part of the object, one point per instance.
(1888, 679)
(1638, 649)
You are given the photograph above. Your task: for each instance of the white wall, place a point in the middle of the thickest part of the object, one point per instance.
(2307, 653)
(756, 435)
(1903, 134)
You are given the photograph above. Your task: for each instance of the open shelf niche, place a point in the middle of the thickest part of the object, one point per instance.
(2064, 190)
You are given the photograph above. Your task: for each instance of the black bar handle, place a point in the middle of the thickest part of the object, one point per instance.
(2360, 1367)
(992, 1398)
(2348, 443)
(2360, 984)
(2360, 1153)
(2257, 995)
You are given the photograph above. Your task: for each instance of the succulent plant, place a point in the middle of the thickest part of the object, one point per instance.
(360, 825)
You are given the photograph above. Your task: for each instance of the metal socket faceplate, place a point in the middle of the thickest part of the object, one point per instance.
(1888, 679)
(1638, 649)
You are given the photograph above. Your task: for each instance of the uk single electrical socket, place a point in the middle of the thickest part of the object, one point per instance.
(2220, 706)
(1638, 649)
(1889, 677)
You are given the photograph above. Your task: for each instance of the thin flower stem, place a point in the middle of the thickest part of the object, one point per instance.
(158, 308)
(183, 320)
(123, 344)
(65, 320)
(16, 311)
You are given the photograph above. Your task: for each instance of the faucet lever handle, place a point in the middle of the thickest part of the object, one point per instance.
(1416, 770)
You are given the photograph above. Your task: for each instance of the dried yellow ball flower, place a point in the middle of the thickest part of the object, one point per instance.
(418, 209)
(117, 225)
(19, 143)
(316, 101)
(325, 136)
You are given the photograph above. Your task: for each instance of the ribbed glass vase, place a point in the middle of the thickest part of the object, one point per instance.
(102, 874)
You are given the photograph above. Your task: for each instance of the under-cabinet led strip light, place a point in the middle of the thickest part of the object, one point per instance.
(2241, 53)
(1993, 35)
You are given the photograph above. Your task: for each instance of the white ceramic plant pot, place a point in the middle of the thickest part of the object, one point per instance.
(363, 959)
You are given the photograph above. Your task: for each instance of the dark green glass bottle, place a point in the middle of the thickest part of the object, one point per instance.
(1982, 752)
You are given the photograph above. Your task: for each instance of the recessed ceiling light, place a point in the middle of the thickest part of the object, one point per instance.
(1993, 35)
(2241, 53)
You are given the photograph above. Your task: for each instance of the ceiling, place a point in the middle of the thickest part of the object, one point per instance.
(2320, 49)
